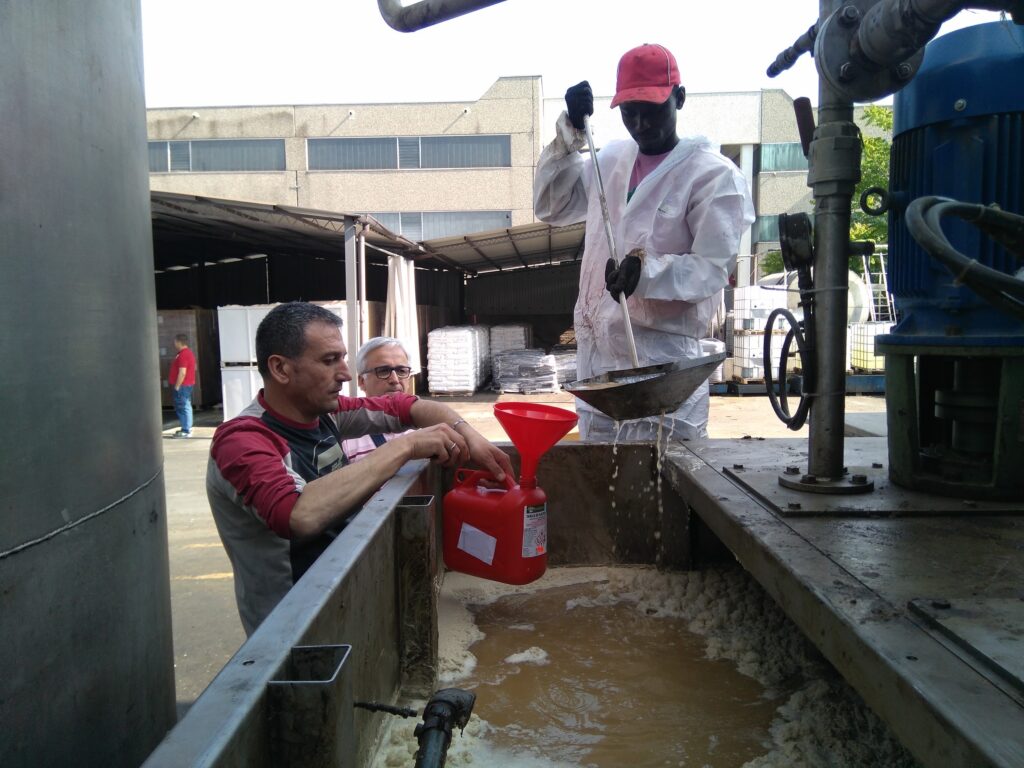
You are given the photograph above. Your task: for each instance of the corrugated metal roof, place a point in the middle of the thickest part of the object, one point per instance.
(528, 245)
(187, 227)
(190, 228)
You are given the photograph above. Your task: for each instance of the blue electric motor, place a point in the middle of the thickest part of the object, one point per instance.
(955, 362)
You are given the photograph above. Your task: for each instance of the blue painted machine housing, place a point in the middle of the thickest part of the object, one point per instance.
(958, 133)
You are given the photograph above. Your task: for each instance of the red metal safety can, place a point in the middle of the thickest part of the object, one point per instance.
(499, 534)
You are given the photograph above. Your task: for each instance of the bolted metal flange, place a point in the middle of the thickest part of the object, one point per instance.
(857, 483)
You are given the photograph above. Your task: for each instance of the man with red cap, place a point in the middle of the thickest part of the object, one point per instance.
(678, 209)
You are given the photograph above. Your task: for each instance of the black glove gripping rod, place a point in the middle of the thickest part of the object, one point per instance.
(448, 707)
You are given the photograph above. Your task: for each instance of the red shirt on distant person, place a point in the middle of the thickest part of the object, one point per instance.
(184, 359)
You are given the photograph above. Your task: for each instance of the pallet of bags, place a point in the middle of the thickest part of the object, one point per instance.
(482, 344)
(525, 370)
(456, 358)
(510, 336)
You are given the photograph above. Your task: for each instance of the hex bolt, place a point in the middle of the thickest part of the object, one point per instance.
(960, 105)
(941, 605)
(876, 465)
(794, 505)
(859, 479)
(792, 470)
(737, 466)
(849, 16)
(809, 479)
(847, 72)
(904, 71)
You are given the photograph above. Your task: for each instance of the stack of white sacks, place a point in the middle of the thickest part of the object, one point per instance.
(510, 336)
(458, 358)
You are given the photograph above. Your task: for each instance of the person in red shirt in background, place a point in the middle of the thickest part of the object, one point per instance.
(182, 378)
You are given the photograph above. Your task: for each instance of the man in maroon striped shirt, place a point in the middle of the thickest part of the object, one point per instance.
(278, 482)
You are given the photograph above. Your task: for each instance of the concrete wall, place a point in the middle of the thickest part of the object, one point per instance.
(778, 121)
(510, 106)
(783, 192)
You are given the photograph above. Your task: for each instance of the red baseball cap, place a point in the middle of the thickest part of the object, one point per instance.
(646, 73)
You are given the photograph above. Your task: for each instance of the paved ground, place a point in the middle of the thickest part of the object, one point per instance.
(207, 631)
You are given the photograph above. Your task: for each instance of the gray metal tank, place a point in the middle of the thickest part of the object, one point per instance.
(86, 666)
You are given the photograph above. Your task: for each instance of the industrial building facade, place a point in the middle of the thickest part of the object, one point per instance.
(436, 170)
(422, 170)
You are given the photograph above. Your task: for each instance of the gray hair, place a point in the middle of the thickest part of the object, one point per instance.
(375, 343)
(283, 330)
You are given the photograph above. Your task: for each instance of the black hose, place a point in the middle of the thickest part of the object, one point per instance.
(447, 709)
(780, 402)
(923, 217)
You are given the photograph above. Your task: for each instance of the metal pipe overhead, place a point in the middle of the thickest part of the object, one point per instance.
(426, 12)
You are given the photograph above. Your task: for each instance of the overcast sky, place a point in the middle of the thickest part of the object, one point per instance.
(238, 52)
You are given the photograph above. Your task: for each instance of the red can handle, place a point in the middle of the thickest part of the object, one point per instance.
(472, 477)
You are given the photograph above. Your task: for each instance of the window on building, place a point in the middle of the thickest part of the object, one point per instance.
(783, 157)
(408, 152)
(352, 154)
(766, 229)
(412, 225)
(433, 224)
(446, 223)
(467, 151)
(216, 155)
(158, 157)
(392, 221)
(181, 156)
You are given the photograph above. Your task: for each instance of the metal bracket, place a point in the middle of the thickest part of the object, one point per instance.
(310, 709)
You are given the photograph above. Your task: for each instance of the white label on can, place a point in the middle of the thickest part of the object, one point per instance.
(475, 542)
(535, 530)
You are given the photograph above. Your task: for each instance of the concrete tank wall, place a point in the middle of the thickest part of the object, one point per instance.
(86, 671)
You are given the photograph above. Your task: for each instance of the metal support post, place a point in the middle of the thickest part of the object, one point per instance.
(834, 172)
(364, 323)
(351, 296)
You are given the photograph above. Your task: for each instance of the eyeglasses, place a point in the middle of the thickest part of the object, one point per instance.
(384, 371)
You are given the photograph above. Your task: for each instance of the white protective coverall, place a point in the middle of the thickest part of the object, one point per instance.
(688, 215)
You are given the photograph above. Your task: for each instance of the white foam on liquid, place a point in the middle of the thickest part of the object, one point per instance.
(533, 655)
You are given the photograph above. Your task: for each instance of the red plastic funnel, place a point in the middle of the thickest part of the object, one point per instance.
(533, 428)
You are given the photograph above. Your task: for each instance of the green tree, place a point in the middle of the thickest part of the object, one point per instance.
(874, 172)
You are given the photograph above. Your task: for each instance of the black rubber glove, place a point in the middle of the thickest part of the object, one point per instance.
(579, 101)
(622, 280)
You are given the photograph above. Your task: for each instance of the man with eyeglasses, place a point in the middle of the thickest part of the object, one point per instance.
(383, 369)
(278, 484)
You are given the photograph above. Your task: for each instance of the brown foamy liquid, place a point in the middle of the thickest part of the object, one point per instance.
(604, 685)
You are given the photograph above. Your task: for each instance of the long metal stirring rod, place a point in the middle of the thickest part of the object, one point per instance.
(611, 238)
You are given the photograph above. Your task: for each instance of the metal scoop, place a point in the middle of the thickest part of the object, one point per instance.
(638, 392)
(649, 391)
